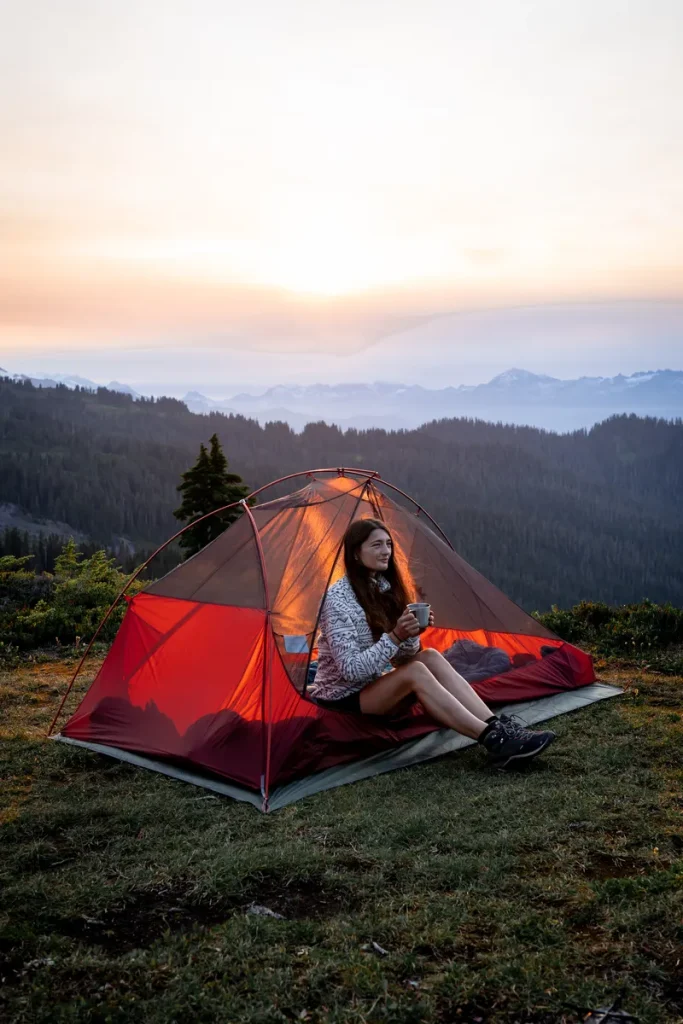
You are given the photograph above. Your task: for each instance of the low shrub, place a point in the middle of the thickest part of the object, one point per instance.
(62, 608)
(644, 632)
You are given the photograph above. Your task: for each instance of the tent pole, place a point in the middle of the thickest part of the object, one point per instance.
(267, 681)
(122, 594)
(367, 473)
(144, 565)
(417, 506)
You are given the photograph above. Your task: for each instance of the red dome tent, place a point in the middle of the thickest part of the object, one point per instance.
(206, 679)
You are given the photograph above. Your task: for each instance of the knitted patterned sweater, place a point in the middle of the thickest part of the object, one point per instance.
(348, 656)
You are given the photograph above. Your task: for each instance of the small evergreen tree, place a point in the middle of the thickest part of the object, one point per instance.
(207, 486)
(69, 563)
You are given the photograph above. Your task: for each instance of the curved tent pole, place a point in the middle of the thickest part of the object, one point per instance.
(339, 470)
(372, 474)
(375, 502)
(417, 506)
(144, 565)
(267, 675)
(122, 593)
(334, 564)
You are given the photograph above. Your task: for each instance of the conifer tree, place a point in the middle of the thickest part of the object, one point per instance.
(207, 486)
(68, 562)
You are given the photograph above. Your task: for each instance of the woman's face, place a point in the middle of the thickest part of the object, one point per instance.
(375, 551)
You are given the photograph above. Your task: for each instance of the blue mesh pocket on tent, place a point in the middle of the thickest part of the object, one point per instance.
(296, 644)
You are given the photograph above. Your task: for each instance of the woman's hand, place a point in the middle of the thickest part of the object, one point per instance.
(407, 626)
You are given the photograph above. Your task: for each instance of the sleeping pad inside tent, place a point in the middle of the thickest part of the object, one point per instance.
(207, 679)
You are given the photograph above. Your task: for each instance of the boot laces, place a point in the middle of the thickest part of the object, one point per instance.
(514, 727)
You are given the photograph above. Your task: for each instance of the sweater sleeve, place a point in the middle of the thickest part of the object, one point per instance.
(408, 648)
(354, 664)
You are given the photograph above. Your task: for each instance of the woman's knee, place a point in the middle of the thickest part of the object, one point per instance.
(430, 656)
(421, 678)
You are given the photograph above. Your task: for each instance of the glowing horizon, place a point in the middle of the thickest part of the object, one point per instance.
(315, 171)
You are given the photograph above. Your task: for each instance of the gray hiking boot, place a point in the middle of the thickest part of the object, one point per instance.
(508, 740)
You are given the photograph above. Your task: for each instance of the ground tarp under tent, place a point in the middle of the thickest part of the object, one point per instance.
(207, 677)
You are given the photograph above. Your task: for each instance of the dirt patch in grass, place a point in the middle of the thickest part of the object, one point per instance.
(141, 921)
(148, 914)
(604, 865)
(442, 952)
(313, 897)
(591, 935)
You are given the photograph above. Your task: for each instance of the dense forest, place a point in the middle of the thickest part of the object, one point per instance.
(551, 519)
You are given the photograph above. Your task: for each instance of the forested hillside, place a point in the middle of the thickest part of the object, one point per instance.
(549, 518)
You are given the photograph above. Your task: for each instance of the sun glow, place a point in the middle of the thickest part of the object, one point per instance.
(318, 264)
(315, 260)
(155, 173)
(313, 268)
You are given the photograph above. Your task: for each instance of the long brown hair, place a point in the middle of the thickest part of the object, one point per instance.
(381, 609)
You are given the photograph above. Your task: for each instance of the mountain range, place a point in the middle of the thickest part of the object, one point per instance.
(516, 396)
(550, 518)
(70, 380)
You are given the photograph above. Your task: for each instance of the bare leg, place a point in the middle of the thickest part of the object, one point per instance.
(382, 695)
(454, 683)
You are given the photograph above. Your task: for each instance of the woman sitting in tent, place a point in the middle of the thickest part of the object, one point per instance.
(370, 657)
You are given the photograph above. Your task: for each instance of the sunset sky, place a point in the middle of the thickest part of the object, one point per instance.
(303, 176)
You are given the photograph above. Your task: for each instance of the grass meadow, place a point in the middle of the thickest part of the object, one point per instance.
(447, 892)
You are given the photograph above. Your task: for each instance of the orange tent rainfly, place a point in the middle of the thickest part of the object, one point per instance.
(207, 678)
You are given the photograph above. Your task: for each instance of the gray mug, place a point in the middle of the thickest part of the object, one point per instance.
(420, 610)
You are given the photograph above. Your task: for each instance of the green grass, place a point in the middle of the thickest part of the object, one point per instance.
(524, 897)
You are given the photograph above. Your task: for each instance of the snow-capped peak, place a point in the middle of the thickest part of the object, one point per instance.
(515, 376)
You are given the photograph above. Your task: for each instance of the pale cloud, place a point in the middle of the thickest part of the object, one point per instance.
(563, 339)
(308, 174)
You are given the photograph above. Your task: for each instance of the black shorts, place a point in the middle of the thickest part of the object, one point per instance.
(349, 703)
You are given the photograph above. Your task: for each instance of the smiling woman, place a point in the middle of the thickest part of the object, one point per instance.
(371, 661)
